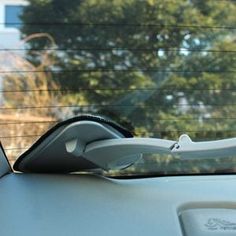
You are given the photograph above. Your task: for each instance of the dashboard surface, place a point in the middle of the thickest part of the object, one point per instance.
(41, 204)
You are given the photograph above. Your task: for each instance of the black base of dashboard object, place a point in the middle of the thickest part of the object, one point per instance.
(48, 154)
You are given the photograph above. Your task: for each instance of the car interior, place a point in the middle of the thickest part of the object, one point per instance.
(117, 117)
(57, 187)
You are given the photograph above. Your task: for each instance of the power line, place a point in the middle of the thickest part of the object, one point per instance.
(120, 49)
(28, 122)
(110, 25)
(171, 89)
(161, 119)
(157, 131)
(16, 148)
(92, 106)
(154, 130)
(103, 69)
(21, 136)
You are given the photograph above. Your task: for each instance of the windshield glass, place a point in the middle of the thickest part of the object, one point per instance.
(160, 68)
(164, 164)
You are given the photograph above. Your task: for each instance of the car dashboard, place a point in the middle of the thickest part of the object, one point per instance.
(51, 204)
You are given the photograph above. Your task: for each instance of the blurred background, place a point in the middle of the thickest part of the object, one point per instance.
(160, 68)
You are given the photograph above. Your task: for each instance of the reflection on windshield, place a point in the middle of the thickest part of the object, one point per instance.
(161, 68)
(165, 164)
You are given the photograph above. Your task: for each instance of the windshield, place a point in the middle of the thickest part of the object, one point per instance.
(160, 68)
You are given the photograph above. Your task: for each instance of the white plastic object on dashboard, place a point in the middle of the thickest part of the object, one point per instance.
(188, 149)
(56, 152)
(120, 153)
(75, 146)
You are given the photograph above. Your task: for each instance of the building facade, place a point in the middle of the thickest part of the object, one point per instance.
(10, 22)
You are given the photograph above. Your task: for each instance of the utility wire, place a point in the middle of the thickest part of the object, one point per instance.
(110, 25)
(103, 69)
(117, 106)
(155, 130)
(171, 89)
(120, 49)
(160, 131)
(161, 119)
(28, 122)
(21, 136)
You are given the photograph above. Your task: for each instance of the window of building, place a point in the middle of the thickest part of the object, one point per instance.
(12, 16)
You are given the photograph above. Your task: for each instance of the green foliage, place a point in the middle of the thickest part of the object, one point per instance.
(123, 46)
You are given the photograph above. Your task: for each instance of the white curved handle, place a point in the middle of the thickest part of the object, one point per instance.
(123, 152)
(187, 149)
(118, 153)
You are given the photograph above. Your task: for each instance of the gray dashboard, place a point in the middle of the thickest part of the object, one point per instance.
(82, 204)
(43, 204)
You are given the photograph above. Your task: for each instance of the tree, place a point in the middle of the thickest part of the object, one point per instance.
(135, 60)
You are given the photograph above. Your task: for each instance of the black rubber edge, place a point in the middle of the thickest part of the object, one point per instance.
(5, 155)
(99, 119)
(146, 176)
